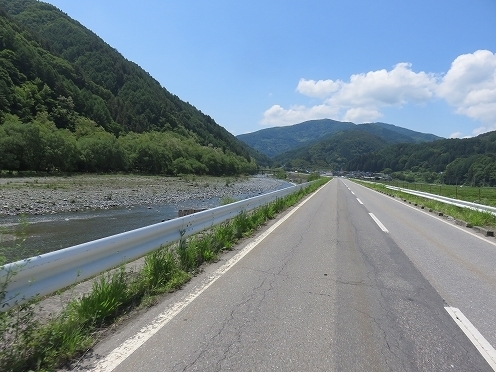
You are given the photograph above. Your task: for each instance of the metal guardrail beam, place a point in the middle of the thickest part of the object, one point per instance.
(42, 275)
(444, 199)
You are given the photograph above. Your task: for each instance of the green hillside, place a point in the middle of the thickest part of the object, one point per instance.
(395, 134)
(274, 141)
(69, 101)
(334, 152)
(470, 161)
(278, 140)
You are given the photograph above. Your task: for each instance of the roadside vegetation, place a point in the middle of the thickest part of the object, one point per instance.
(32, 344)
(471, 217)
(481, 195)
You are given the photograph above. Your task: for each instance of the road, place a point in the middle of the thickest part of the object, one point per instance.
(328, 287)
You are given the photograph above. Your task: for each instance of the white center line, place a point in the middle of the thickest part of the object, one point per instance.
(360, 201)
(122, 352)
(379, 223)
(484, 347)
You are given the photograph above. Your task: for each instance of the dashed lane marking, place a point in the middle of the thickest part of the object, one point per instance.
(484, 347)
(379, 223)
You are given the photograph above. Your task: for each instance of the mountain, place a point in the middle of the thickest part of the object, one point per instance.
(457, 161)
(334, 152)
(395, 134)
(57, 75)
(277, 140)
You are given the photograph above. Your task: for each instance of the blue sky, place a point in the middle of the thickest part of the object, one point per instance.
(424, 65)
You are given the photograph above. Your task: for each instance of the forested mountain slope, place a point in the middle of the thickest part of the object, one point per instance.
(394, 134)
(334, 152)
(469, 160)
(277, 140)
(56, 75)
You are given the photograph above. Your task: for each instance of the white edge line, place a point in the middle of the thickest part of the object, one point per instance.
(484, 347)
(119, 354)
(379, 223)
(435, 217)
(359, 201)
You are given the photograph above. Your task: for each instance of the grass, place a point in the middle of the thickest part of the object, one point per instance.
(29, 344)
(481, 195)
(227, 200)
(470, 216)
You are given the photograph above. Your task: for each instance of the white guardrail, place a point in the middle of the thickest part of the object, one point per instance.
(42, 275)
(444, 199)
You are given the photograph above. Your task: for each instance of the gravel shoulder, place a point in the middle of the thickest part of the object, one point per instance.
(50, 195)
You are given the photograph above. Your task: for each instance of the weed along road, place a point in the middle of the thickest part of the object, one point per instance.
(350, 280)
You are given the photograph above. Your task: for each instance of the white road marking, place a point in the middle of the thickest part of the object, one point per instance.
(379, 223)
(119, 354)
(478, 236)
(440, 219)
(484, 347)
(353, 193)
(360, 201)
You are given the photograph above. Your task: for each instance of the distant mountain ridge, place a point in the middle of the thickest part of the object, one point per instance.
(278, 140)
(470, 161)
(333, 152)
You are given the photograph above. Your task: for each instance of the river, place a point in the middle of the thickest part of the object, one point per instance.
(45, 233)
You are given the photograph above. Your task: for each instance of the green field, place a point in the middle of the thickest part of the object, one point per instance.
(470, 216)
(481, 195)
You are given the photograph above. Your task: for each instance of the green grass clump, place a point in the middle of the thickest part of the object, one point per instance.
(29, 344)
(101, 305)
(159, 270)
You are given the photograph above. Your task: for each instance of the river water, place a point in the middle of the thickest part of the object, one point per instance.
(46, 233)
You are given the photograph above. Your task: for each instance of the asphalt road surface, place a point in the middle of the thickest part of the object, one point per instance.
(350, 280)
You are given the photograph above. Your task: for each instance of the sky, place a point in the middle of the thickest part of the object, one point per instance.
(424, 65)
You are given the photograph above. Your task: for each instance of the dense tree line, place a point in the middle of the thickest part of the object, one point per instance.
(455, 161)
(40, 146)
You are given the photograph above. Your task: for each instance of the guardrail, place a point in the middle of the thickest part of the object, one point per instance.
(444, 199)
(42, 275)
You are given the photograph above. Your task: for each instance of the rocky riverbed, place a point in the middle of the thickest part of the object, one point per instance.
(51, 195)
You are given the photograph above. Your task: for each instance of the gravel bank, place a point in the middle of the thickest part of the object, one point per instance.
(51, 195)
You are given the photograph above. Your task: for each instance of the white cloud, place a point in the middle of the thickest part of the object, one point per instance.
(319, 89)
(456, 135)
(361, 115)
(358, 100)
(386, 88)
(469, 86)
(278, 116)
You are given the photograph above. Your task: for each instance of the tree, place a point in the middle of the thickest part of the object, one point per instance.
(101, 152)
